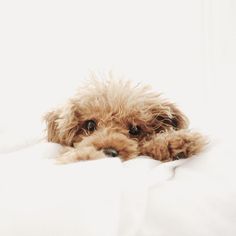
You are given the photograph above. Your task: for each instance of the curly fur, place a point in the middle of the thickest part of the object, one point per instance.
(115, 105)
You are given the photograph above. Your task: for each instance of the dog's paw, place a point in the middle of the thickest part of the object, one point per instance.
(174, 145)
(185, 144)
(70, 155)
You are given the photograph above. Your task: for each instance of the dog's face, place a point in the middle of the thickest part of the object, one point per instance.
(113, 116)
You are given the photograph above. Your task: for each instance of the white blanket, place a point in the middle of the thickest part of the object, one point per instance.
(141, 197)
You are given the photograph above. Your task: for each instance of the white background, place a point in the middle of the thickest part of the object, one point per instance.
(186, 49)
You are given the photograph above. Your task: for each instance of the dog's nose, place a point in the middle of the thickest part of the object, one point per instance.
(110, 152)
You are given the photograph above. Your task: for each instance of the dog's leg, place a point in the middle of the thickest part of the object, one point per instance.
(173, 145)
(70, 154)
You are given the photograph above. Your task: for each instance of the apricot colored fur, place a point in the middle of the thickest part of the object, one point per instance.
(115, 105)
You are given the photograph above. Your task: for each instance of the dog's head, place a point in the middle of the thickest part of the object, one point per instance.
(114, 116)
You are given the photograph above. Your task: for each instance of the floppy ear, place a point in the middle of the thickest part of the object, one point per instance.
(52, 132)
(63, 124)
(168, 116)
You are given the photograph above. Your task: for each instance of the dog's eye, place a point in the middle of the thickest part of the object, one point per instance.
(90, 125)
(135, 130)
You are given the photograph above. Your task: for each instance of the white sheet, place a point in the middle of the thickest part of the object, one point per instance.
(141, 197)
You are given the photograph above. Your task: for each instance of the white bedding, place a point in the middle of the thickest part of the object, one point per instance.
(141, 197)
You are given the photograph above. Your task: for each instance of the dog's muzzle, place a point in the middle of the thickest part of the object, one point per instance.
(110, 152)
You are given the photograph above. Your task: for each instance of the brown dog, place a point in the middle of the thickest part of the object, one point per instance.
(115, 118)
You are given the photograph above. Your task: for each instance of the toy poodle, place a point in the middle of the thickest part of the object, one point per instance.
(114, 118)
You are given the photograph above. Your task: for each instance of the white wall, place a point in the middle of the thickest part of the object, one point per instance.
(220, 66)
(185, 49)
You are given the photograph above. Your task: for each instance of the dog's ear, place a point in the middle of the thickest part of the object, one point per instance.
(168, 116)
(63, 124)
(51, 122)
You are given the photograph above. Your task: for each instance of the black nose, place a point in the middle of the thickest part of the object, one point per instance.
(110, 152)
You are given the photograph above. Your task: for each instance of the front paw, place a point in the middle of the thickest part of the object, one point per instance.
(186, 144)
(70, 155)
(179, 156)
